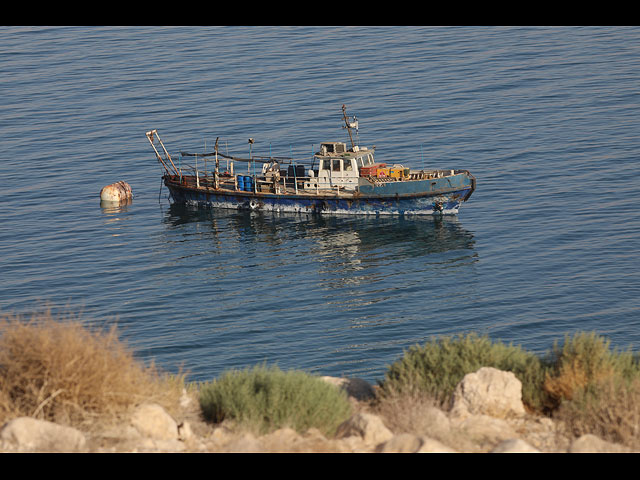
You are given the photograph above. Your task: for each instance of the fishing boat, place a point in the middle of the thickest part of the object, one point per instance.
(339, 178)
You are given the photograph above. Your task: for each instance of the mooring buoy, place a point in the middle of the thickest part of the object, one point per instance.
(116, 192)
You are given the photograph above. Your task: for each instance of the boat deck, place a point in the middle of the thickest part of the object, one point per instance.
(228, 184)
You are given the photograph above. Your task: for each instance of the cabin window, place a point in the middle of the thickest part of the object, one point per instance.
(325, 164)
(347, 166)
(370, 159)
(336, 165)
(360, 162)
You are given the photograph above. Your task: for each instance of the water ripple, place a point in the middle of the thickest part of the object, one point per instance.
(544, 117)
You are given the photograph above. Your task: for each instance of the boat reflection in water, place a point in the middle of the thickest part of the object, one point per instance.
(326, 239)
(333, 294)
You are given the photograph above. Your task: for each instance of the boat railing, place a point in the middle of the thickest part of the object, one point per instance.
(264, 174)
(281, 175)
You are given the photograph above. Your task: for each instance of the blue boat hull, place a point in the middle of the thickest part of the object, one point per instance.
(396, 198)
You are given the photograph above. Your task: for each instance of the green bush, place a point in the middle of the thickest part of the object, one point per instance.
(265, 399)
(438, 366)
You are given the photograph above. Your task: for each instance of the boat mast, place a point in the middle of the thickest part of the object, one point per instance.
(348, 125)
(215, 147)
(216, 178)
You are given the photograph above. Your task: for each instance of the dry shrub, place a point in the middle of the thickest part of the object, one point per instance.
(59, 370)
(420, 414)
(572, 377)
(609, 408)
(595, 390)
(408, 412)
(584, 360)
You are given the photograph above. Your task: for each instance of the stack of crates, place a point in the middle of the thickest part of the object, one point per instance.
(371, 170)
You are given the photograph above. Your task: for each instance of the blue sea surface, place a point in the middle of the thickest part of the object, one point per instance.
(546, 119)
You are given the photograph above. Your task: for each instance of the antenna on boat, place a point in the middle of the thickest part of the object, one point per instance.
(349, 125)
(251, 157)
(215, 148)
(216, 174)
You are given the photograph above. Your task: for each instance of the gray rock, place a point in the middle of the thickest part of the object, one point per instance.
(366, 425)
(153, 421)
(26, 434)
(488, 391)
(483, 429)
(185, 433)
(430, 445)
(592, 444)
(245, 443)
(437, 421)
(401, 443)
(514, 445)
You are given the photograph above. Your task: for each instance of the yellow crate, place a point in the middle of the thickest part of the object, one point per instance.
(382, 172)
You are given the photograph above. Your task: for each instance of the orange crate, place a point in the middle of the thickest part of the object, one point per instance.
(371, 169)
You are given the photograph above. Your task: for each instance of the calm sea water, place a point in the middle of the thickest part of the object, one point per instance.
(547, 119)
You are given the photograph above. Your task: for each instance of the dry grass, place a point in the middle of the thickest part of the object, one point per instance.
(59, 370)
(572, 377)
(420, 414)
(609, 409)
(583, 360)
(408, 413)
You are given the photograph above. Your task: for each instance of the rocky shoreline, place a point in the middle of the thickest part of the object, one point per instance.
(486, 415)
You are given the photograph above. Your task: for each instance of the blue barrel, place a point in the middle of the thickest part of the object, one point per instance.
(240, 182)
(248, 184)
